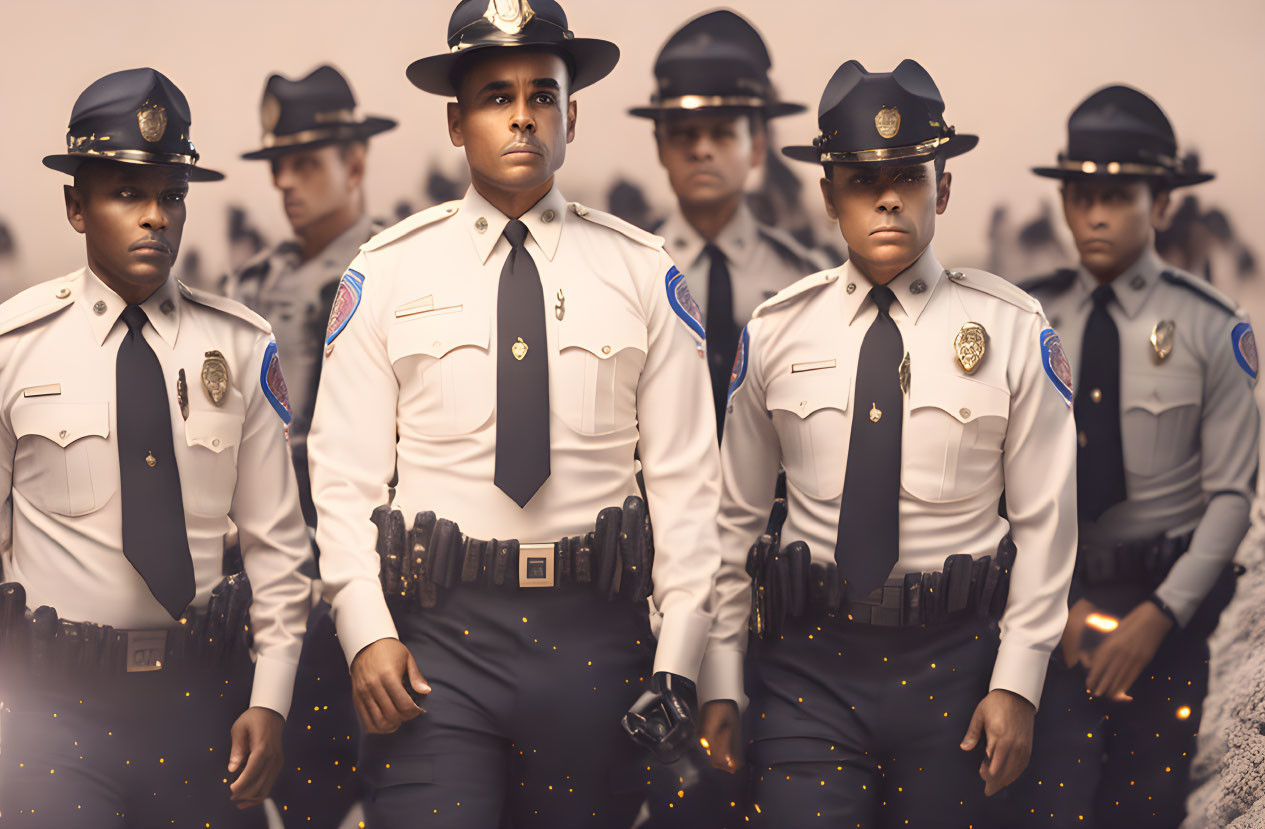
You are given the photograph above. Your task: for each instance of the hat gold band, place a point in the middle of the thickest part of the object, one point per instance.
(140, 155)
(341, 131)
(886, 154)
(705, 101)
(1113, 168)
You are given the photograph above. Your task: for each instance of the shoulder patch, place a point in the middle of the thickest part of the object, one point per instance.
(36, 303)
(683, 303)
(1056, 364)
(790, 248)
(796, 289)
(739, 372)
(415, 222)
(994, 285)
(638, 235)
(273, 383)
(1244, 343)
(1201, 289)
(231, 307)
(346, 300)
(1055, 283)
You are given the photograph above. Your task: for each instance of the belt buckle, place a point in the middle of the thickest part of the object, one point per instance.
(145, 650)
(535, 565)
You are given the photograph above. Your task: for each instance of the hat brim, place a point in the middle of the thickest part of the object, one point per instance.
(773, 110)
(593, 60)
(1172, 179)
(359, 131)
(961, 143)
(69, 164)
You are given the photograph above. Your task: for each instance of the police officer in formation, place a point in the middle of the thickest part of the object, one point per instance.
(1167, 435)
(901, 398)
(141, 419)
(711, 107)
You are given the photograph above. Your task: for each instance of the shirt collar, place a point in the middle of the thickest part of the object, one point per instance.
(1132, 287)
(343, 248)
(486, 223)
(103, 308)
(736, 240)
(912, 287)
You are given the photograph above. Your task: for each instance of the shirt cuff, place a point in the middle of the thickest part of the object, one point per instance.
(361, 617)
(720, 677)
(682, 639)
(1182, 607)
(274, 685)
(1020, 670)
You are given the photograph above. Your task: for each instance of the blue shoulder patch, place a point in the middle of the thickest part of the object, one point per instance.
(346, 301)
(1244, 342)
(1057, 367)
(274, 384)
(683, 304)
(739, 372)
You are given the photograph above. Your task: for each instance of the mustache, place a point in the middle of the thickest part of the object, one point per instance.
(152, 240)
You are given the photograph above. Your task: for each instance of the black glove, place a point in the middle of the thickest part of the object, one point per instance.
(662, 720)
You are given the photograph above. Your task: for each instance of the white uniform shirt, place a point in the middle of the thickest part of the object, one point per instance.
(1189, 422)
(965, 439)
(59, 463)
(417, 359)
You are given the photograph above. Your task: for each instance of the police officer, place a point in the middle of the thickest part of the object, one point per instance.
(900, 397)
(507, 354)
(711, 106)
(1168, 432)
(141, 420)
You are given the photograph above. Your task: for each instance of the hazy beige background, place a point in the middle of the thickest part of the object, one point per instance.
(1009, 70)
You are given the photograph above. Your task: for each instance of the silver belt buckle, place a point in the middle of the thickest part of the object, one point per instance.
(145, 650)
(535, 565)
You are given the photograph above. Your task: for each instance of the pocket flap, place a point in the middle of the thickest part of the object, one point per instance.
(805, 392)
(436, 335)
(1157, 393)
(62, 423)
(603, 338)
(960, 397)
(213, 430)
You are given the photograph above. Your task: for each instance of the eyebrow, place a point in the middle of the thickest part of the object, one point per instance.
(501, 86)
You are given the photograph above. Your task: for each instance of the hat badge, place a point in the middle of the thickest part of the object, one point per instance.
(270, 112)
(887, 122)
(152, 120)
(510, 16)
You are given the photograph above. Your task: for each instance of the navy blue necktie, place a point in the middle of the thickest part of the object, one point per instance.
(1100, 480)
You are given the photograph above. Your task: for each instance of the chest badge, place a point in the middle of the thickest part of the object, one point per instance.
(215, 377)
(560, 310)
(1162, 339)
(903, 373)
(970, 345)
(519, 349)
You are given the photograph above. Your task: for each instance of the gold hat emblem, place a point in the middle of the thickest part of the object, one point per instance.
(510, 16)
(519, 349)
(215, 377)
(1162, 339)
(152, 121)
(970, 345)
(887, 122)
(269, 112)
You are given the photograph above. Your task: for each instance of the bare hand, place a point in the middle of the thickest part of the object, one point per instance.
(377, 686)
(1074, 631)
(256, 744)
(1005, 719)
(1123, 655)
(720, 728)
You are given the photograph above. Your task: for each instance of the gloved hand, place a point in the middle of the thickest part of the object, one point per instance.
(662, 720)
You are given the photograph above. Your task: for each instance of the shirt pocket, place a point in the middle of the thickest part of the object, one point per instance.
(209, 464)
(1160, 422)
(598, 367)
(64, 462)
(447, 375)
(810, 413)
(953, 439)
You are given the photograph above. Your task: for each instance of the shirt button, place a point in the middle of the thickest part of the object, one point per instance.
(1138, 283)
(606, 349)
(62, 433)
(215, 442)
(62, 293)
(852, 286)
(1096, 395)
(481, 225)
(548, 216)
(918, 287)
(966, 413)
(99, 307)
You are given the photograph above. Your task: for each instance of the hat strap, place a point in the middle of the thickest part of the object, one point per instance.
(139, 155)
(926, 148)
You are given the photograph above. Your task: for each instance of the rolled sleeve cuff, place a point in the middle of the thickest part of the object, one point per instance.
(361, 617)
(1020, 670)
(682, 639)
(274, 685)
(720, 677)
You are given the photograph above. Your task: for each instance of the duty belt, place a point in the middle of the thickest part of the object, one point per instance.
(417, 564)
(1145, 562)
(49, 646)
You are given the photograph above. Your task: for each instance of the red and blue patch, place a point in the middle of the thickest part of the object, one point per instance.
(683, 303)
(1056, 364)
(274, 384)
(1244, 342)
(739, 372)
(346, 300)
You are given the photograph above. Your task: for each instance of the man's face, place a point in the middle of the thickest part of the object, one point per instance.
(132, 216)
(1112, 221)
(708, 155)
(317, 183)
(514, 118)
(887, 214)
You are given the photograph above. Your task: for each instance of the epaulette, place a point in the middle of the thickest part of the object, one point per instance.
(643, 237)
(1056, 283)
(224, 305)
(803, 286)
(36, 303)
(792, 249)
(994, 285)
(1201, 289)
(415, 222)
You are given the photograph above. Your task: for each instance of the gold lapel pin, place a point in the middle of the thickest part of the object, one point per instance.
(1162, 339)
(875, 414)
(903, 373)
(970, 345)
(560, 310)
(519, 349)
